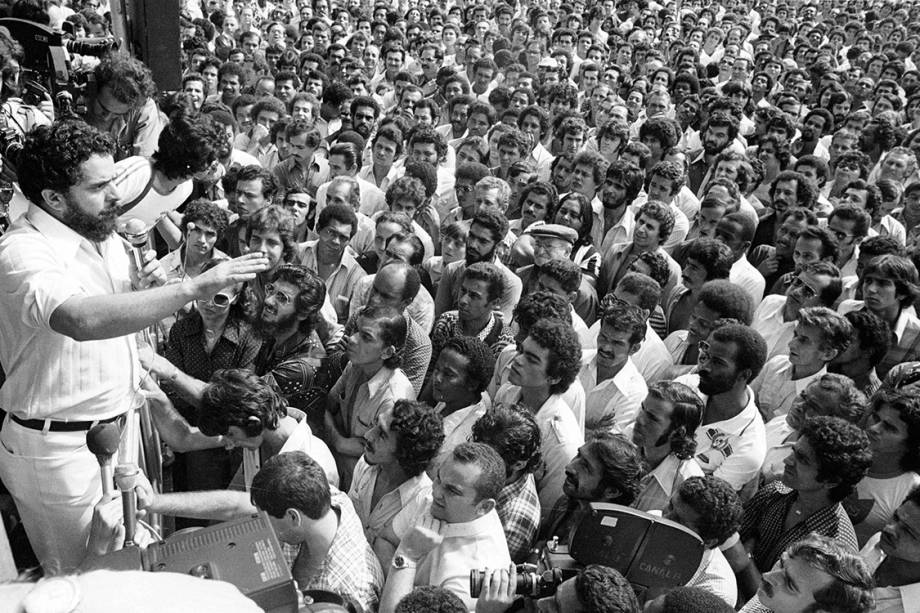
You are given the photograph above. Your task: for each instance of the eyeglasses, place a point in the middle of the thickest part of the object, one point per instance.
(221, 300)
(463, 189)
(280, 297)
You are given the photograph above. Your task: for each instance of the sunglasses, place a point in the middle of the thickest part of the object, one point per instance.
(221, 300)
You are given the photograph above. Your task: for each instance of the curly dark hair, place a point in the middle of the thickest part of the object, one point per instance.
(489, 274)
(539, 306)
(601, 588)
(129, 80)
(727, 299)
(842, 452)
(206, 212)
(664, 130)
(431, 599)
(429, 136)
(311, 292)
(713, 255)
(541, 115)
(565, 272)
(751, 348)
(513, 433)
(660, 212)
(238, 397)
(53, 155)
(187, 146)
(873, 332)
(481, 360)
(716, 503)
(419, 432)
(405, 188)
(564, 352)
(493, 221)
(696, 599)
(906, 403)
(657, 263)
(806, 194)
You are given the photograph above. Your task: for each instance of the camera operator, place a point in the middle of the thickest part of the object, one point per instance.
(123, 105)
(606, 469)
(17, 115)
(596, 588)
(66, 278)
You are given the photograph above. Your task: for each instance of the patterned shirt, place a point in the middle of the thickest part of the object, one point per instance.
(350, 569)
(765, 514)
(518, 507)
(237, 347)
(293, 369)
(497, 335)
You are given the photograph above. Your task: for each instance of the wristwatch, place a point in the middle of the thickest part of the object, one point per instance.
(400, 562)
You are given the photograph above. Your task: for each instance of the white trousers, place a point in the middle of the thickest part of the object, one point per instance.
(55, 482)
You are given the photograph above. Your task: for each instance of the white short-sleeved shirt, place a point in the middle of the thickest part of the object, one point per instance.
(732, 449)
(560, 437)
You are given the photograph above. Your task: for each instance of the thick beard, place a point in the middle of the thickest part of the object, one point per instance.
(96, 228)
(268, 330)
(473, 259)
(710, 388)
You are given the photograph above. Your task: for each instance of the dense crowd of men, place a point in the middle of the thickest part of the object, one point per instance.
(423, 281)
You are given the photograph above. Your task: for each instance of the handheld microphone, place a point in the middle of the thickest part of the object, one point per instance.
(136, 233)
(102, 440)
(126, 478)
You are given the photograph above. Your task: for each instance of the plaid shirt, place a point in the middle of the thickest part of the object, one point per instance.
(518, 507)
(763, 519)
(350, 569)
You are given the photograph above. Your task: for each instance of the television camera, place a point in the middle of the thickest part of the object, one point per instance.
(652, 553)
(47, 71)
